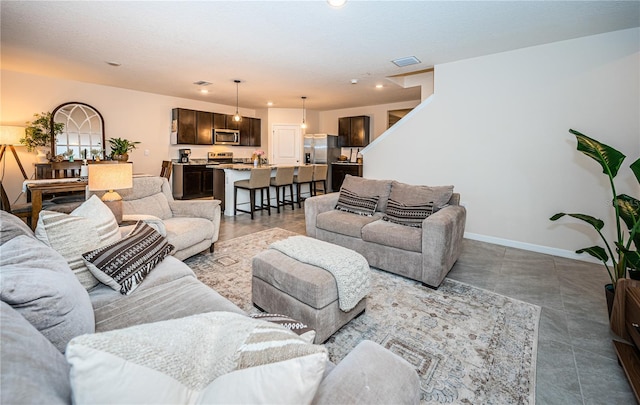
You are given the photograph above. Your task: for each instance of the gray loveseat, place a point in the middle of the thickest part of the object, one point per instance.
(44, 306)
(425, 253)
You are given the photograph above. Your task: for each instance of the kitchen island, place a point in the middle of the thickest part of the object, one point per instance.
(235, 172)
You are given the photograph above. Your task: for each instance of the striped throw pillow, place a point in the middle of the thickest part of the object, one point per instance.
(351, 202)
(123, 265)
(407, 214)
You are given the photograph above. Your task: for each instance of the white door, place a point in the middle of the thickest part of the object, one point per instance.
(286, 142)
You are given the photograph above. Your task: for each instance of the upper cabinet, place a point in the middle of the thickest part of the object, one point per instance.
(196, 127)
(353, 131)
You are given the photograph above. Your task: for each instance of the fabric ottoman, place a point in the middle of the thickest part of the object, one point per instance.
(281, 284)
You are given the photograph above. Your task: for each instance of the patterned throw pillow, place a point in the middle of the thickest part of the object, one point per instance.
(408, 215)
(123, 265)
(351, 202)
(301, 329)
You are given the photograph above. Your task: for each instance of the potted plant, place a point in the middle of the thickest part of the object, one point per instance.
(120, 148)
(627, 213)
(39, 133)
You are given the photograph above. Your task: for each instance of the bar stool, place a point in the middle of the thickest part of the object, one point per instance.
(304, 176)
(259, 180)
(284, 178)
(320, 175)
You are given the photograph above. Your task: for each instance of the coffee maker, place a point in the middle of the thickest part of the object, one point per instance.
(184, 155)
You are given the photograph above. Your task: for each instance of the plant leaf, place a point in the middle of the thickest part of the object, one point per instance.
(629, 209)
(635, 168)
(595, 251)
(595, 222)
(632, 257)
(609, 158)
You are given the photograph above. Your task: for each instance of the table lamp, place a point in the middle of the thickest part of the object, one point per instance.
(110, 177)
(10, 136)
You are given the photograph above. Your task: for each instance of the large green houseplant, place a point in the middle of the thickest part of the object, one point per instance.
(627, 212)
(41, 131)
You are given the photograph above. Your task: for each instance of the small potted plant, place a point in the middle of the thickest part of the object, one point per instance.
(120, 148)
(39, 133)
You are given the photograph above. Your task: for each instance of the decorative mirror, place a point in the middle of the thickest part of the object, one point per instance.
(83, 131)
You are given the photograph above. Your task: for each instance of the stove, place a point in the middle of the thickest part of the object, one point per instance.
(217, 158)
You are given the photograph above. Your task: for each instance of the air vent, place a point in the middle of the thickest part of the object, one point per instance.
(201, 83)
(407, 61)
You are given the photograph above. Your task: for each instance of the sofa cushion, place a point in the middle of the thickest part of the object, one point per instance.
(39, 284)
(123, 265)
(345, 223)
(155, 204)
(369, 187)
(32, 370)
(416, 195)
(356, 204)
(12, 226)
(184, 232)
(299, 328)
(89, 226)
(408, 215)
(206, 358)
(393, 235)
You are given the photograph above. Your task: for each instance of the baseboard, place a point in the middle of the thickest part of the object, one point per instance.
(569, 254)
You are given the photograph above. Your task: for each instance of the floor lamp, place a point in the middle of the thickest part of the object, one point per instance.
(10, 136)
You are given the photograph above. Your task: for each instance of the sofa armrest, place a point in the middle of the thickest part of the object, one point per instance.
(442, 234)
(370, 374)
(153, 221)
(209, 209)
(316, 205)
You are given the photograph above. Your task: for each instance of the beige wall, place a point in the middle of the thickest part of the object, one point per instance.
(497, 128)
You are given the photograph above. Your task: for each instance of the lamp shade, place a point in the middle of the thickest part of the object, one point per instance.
(110, 176)
(10, 135)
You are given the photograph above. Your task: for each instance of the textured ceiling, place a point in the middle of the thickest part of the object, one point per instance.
(281, 50)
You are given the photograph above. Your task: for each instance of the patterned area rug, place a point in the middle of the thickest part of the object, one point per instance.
(468, 345)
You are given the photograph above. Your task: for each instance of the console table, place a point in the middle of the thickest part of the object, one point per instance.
(40, 188)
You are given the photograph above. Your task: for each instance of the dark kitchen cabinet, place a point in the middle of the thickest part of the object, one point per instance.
(219, 121)
(339, 171)
(353, 131)
(250, 131)
(197, 181)
(192, 127)
(231, 123)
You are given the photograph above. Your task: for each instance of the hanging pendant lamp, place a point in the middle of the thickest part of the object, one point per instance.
(304, 123)
(237, 117)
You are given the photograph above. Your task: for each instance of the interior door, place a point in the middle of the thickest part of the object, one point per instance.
(286, 144)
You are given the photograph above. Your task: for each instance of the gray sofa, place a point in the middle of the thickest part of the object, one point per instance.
(425, 254)
(44, 306)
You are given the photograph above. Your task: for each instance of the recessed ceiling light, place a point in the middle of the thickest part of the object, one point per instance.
(379, 86)
(205, 91)
(337, 3)
(354, 81)
(114, 64)
(406, 61)
(269, 103)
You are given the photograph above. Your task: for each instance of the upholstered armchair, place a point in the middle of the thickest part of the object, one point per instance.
(190, 225)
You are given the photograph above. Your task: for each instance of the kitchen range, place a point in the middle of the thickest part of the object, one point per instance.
(193, 179)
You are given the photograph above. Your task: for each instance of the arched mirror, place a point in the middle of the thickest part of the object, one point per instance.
(83, 131)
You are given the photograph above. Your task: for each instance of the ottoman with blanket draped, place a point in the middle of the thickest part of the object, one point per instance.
(315, 282)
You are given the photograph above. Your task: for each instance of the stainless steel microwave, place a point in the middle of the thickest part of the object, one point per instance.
(226, 137)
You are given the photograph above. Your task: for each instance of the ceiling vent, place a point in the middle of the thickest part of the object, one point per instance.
(407, 61)
(201, 83)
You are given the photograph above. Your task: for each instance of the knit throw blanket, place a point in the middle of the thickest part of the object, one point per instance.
(349, 268)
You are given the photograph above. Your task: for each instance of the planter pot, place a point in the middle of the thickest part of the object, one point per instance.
(634, 274)
(123, 158)
(609, 293)
(41, 157)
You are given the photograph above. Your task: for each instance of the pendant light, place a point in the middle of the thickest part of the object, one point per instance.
(237, 117)
(304, 123)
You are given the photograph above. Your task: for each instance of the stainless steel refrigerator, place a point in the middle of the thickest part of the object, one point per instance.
(321, 149)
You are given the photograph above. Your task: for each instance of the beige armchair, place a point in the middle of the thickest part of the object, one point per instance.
(191, 225)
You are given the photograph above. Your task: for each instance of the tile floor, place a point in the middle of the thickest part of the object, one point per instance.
(576, 361)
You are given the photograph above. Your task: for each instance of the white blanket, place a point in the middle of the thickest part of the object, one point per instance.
(349, 268)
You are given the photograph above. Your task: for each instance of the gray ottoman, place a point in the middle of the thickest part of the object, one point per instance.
(301, 291)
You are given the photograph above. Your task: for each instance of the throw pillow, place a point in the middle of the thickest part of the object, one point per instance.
(408, 194)
(216, 357)
(37, 282)
(89, 226)
(299, 328)
(12, 226)
(123, 265)
(356, 204)
(408, 215)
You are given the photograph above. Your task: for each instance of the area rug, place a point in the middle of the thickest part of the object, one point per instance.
(468, 345)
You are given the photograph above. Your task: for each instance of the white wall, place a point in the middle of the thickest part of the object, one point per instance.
(497, 128)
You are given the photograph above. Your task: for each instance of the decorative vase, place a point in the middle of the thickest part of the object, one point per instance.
(42, 155)
(122, 158)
